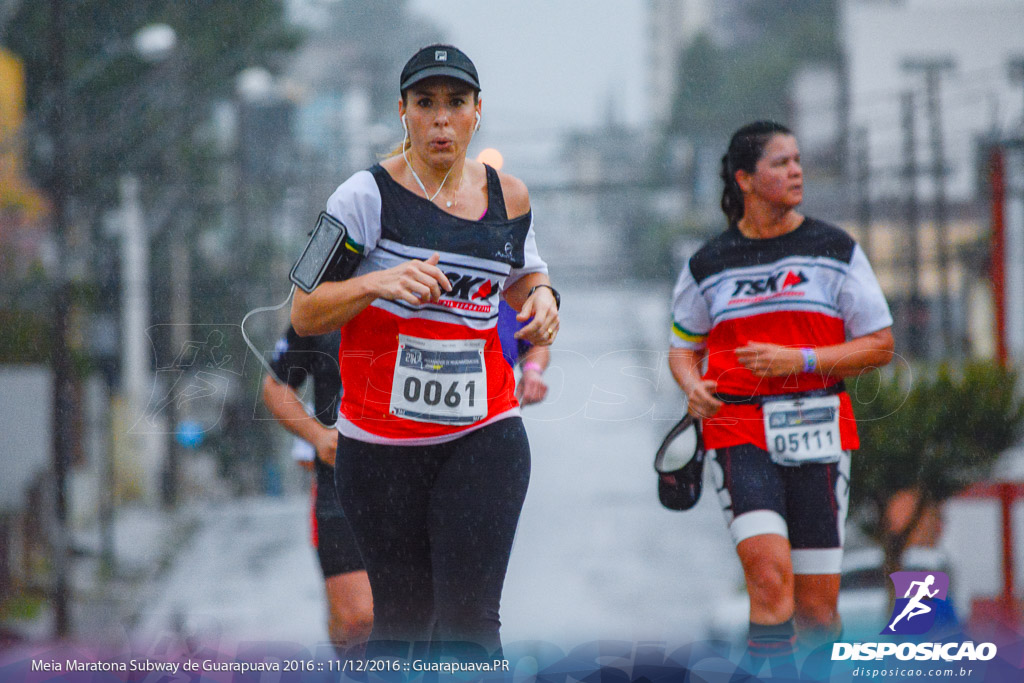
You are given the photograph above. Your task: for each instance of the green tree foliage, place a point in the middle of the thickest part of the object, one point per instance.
(933, 434)
(807, 30)
(122, 113)
(725, 82)
(384, 34)
(701, 95)
(721, 87)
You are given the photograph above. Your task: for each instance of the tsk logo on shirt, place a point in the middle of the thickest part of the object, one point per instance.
(783, 282)
(470, 288)
(470, 293)
(777, 282)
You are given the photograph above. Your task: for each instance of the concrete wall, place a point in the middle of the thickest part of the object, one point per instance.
(26, 429)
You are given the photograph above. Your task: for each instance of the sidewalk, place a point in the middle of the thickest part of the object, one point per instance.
(248, 573)
(103, 607)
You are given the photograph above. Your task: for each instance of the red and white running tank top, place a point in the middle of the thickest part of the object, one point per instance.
(426, 374)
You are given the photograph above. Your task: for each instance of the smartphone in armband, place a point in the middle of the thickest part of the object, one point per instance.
(327, 238)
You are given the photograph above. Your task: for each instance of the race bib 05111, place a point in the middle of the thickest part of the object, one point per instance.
(803, 430)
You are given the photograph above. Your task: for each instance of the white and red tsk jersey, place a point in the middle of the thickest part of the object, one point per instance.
(425, 374)
(810, 287)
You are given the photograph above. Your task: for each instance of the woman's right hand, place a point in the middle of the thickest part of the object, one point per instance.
(701, 401)
(414, 282)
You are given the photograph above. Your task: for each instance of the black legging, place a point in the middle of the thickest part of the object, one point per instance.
(435, 526)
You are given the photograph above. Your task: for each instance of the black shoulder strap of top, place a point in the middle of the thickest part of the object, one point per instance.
(495, 199)
(378, 172)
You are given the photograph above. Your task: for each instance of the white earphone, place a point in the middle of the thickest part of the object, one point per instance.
(405, 126)
(477, 122)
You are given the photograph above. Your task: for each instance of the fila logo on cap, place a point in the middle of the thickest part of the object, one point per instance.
(441, 55)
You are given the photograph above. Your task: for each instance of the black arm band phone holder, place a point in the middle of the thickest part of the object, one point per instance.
(328, 255)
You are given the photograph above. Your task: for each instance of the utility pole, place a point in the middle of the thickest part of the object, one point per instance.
(60, 354)
(847, 136)
(181, 281)
(181, 269)
(916, 327)
(863, 176)
(1016, 73)
(933, 68)
(997, 254)
(135, 375)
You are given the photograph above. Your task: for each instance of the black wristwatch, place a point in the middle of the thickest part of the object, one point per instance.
(558, 299)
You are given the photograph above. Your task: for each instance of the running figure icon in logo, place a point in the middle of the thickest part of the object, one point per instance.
(915, 607)
(921, 591)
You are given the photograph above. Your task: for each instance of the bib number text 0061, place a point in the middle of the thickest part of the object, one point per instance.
(431, 392)
(443, 381)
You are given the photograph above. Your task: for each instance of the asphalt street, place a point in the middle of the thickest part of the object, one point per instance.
(595, 555)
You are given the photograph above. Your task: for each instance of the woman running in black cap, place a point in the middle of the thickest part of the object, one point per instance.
(433, 461)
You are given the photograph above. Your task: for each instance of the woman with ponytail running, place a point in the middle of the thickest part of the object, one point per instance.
(781, 307)
(433, 461)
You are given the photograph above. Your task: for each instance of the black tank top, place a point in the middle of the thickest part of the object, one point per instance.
(495, 198)
(410, 219)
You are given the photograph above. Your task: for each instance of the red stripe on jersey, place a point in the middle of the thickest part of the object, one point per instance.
(466, 306)
(786, 328)
(740, 424)
(367, 356)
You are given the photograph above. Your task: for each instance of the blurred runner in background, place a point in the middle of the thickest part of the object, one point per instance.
(532, 360)
(295, 358)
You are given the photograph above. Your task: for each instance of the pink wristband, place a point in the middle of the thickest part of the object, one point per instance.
(533, 365)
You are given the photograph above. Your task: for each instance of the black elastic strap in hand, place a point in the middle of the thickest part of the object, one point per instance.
(735, 400)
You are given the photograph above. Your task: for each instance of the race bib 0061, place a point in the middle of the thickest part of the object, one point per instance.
(443, 381)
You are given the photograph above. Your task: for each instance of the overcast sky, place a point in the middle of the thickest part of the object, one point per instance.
(548, 64)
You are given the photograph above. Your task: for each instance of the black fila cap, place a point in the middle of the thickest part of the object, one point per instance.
(439, 60)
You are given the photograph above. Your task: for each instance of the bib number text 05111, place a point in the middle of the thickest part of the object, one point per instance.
(803, 430)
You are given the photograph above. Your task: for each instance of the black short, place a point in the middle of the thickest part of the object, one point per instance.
(806, 504)
(336, 547)
(436, 524)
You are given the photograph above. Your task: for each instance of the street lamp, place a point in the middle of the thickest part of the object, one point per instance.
(152, 43)
(153, 40)
(933, 68)
(254, 84)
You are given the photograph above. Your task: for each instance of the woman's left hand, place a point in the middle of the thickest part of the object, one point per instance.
(541, 306)
(531, 388)
(770, 360)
